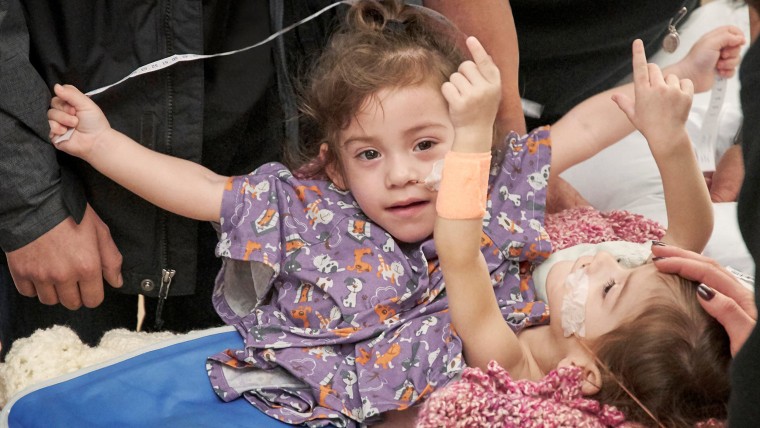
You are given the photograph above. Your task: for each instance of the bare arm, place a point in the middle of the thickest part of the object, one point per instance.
(596, 123)
(492, 23)
(472, 94)
(174, 184)
(660, 112)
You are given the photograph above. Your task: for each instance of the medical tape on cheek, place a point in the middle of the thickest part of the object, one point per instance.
(175, 59)
(464, 185)
(574, 304)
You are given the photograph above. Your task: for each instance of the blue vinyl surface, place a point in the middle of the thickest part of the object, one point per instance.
(166, 387)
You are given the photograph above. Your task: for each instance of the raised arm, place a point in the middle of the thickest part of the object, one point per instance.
(596, 123)
(174, 184)
(491, 22)
(472, 94)
(660, 112)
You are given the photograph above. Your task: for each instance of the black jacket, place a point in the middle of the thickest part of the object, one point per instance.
(224, 113)
(745, 371)
(573, 49)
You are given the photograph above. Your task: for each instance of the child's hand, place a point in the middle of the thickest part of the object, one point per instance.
(473, 94)
(662, 103)
(717, 52)
(70, 108)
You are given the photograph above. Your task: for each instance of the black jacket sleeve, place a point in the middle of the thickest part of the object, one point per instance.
(35, 194)
(745, 373)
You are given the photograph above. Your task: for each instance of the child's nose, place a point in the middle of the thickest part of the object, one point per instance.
(602, 258)
(401, 173)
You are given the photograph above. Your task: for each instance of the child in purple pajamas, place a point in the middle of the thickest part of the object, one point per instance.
(333, 281)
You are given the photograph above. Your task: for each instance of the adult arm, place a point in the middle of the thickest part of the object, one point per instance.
(491, 22)
(40, 202)
(726, 182)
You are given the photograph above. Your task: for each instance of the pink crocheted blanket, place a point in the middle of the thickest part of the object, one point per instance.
(588, 225)
(494, 399)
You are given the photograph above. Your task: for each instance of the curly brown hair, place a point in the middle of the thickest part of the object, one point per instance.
(673, 358)
(380, 44)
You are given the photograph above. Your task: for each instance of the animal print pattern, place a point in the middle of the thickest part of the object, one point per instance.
(362, 320)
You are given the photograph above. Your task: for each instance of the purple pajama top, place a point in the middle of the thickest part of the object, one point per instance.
(340, 321)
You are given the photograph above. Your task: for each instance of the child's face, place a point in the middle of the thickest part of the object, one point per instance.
(615, 293)
(388, 150)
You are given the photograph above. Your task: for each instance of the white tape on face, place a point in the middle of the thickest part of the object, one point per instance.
(433, 180)
(574, 304)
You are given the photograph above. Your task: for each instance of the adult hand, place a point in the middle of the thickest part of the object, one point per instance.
(717, 52)
(726, 181)
(732, 304)
(68, 263)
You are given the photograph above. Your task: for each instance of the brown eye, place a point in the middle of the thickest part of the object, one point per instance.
(369, 154)
(425, 145)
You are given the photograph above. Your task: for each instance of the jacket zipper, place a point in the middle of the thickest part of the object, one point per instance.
(166, 273)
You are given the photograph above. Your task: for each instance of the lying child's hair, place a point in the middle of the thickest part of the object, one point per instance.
(381, 44)
(673, 358)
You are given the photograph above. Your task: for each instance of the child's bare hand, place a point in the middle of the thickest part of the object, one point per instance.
(662, 103)
(70, 108)
(474, 92)
(717, 52)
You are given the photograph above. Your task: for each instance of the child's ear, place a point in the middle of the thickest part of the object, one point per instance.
(592, 376)
(331, 169)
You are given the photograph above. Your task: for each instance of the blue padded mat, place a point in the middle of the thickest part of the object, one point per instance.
(162, 386)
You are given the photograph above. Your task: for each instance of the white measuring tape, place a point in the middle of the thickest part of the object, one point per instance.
(709, 132)
(175, 59)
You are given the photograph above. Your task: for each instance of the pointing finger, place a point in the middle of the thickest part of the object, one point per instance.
(640, 67)
(484, 61)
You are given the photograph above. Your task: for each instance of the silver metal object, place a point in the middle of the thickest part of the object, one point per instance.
(672, 39)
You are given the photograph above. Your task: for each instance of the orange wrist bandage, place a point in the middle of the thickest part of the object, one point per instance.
(464, 185)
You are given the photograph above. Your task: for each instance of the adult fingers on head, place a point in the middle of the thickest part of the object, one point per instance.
(661, 249)
(712, 274)
(704, 271)
(737, 322)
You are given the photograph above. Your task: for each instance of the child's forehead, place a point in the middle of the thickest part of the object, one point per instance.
(648, 276)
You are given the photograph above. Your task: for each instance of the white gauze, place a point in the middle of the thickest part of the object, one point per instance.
(574, 304)
(433, 180)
